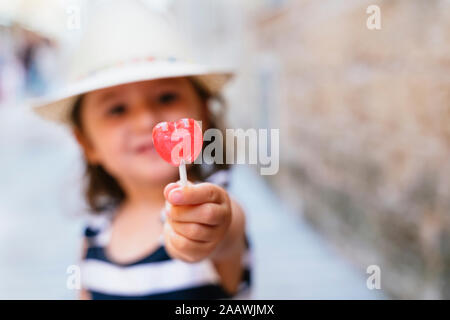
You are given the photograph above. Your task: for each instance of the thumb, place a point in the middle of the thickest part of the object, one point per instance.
(173, 185)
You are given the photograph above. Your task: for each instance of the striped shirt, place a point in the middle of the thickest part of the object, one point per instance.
(156, 276)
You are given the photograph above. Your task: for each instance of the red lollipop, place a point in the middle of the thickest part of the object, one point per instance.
(178, 143)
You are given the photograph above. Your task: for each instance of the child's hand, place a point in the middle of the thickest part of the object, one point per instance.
(197, 221)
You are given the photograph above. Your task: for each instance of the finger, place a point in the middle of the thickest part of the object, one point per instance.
(189, 250)
(196, 194)
(170, 187)
(194, 231)
(169, 235)
(208, 213)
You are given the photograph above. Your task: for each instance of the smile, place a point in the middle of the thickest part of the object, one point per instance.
(145, 148)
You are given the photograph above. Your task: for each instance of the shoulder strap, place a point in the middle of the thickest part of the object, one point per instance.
(97, 229)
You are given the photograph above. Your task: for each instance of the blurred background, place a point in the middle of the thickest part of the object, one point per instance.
(364, 119)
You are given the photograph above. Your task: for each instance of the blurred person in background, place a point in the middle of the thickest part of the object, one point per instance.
(37, 55)
(27, 63)
(12, 70)
(130, 72)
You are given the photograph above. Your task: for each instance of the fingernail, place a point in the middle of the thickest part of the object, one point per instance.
(175, 196)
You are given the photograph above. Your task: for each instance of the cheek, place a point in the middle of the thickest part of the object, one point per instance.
(121, 162)
(110, 145)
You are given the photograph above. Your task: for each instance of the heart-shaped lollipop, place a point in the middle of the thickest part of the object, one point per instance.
(178, 143)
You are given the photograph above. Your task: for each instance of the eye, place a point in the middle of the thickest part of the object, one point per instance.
(117, 109)
(168, 97)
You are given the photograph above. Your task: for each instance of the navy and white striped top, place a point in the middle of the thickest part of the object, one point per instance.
(156, 276)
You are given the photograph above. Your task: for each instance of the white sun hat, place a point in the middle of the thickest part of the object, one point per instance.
(124, 42)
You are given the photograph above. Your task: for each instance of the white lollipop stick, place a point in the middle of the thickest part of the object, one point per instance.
(183, 175)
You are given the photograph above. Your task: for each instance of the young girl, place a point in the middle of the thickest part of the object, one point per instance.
(134, 248)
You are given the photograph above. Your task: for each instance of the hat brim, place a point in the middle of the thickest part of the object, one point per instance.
(57, 107)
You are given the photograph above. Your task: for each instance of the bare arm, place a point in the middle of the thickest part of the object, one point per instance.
(228, 257)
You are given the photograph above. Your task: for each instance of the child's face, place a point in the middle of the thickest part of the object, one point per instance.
(118, 123)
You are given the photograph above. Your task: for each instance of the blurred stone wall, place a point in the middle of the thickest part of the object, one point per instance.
(365, 129)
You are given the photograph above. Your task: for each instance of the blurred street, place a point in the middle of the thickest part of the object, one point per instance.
(291, 260)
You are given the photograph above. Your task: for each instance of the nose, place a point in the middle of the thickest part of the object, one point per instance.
(144, 118)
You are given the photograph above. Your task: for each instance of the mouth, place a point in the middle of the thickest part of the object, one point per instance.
(145, 148)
